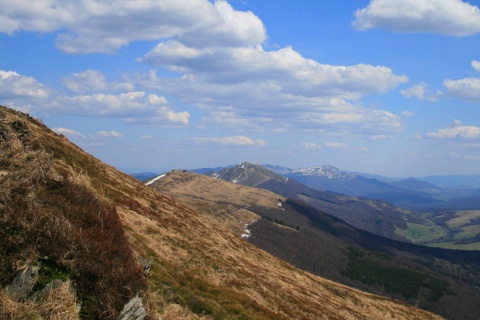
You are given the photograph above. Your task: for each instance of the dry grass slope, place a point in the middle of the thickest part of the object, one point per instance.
(73, 205)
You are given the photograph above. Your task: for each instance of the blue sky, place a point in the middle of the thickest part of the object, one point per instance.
(381, 86)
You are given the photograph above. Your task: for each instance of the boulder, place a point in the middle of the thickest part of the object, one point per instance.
(22, 285)
(133, 310)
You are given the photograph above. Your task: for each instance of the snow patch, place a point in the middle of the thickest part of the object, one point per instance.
(246, 232)
(155, 179)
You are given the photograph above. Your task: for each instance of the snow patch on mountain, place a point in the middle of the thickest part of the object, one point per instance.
(329, 172)
(246, 232)
(155, 179)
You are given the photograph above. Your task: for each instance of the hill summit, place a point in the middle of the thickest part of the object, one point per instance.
(98, 244)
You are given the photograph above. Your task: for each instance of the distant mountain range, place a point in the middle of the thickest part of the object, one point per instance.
(455, 192)
(313, 240)
(427, 193)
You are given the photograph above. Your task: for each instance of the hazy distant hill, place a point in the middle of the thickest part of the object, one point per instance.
(142, 176)
(427, 193)
(327, 246)
(104, 238)
(455, 181)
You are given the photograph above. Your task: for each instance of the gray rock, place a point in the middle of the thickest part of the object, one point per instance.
(48, 288)
(22, 285)
(133, 310)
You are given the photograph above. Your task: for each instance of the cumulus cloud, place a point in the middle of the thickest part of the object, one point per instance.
(310, 146)
(335, 145)
(68, 132)
(110, 134)
(466, 89)
(266, 90)
(458, 131)
(476, 65)
(421, 92)
(133, 104)
(407, 113)
(234, 140)
(104, 26)
(273, 104)
(417, 91)
(89, 81)
(446, 17)
(284, 70)
(221, 65)
(14, 85)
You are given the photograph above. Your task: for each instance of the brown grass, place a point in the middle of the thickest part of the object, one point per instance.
(57, 304)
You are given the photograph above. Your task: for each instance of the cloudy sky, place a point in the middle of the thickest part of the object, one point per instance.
(380, 86)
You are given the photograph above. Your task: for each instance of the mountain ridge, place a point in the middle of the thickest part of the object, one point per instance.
(290, 230)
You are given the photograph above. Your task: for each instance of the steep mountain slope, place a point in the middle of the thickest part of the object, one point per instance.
(375, 216)
(327, 246)
(247, 174)
(75, 218)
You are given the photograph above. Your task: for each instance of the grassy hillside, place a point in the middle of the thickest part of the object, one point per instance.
(325, 245)
(108, 238)
(452, 229)
(376, 216)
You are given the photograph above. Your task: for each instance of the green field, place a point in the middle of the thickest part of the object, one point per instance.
(462, 218)
(455, 233)
(419, 233)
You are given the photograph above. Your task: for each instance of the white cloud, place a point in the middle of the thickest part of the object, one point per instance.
(68, 132)
(335, 145)
(284, 70)
(407, 113)
(234, 140)
(93, 81)
(14, 85)
(447, 17)
(26, 94)
(221, 64)
(109, 134)
(476, 65)
(163, 116)
(310, 146)
(86, 81)
(421, 92)
(275, 104)
(417, 91)
(101, 26)
(131, 105)
(456, 132)
(266, 90)
(466, 89)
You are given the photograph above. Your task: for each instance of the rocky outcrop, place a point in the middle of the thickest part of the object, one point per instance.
(133, 310)
(22, 284)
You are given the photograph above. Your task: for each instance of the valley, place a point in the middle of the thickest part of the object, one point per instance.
(324, 245)
(425, 223)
